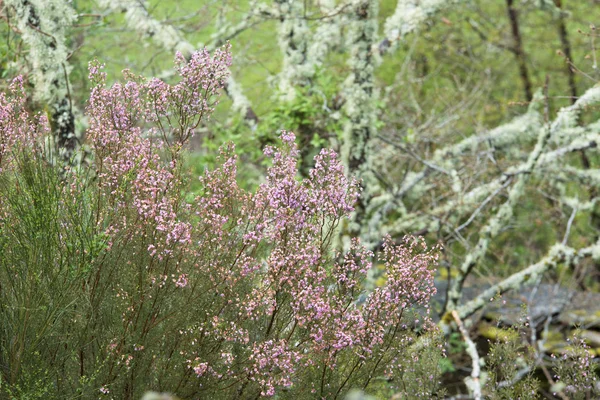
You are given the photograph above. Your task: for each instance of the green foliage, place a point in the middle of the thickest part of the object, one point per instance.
(575, 372)
(510, 368)
(47, 246)
(314, 107)
(423, 370)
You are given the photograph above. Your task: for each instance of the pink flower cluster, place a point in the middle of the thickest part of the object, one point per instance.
(19, 130)
(281, 291)
(133, 125)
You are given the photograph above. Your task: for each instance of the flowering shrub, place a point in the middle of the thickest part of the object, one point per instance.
(17, 128)
(575, 371)
(115, 283)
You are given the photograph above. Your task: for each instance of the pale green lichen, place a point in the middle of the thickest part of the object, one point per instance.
(360, 95)
(239, 102)
(499, 220)
(565, 135)
(138, 19)
(44, 25)
(328, 34)
(410, 15)
(568, 116)
(550, 6)
(513, 139)
(293, 36)
(559, 253)
(510, 135)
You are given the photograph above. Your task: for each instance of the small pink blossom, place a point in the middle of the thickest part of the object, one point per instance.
(200, 369)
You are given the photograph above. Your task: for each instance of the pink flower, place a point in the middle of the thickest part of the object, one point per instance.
(200, 369)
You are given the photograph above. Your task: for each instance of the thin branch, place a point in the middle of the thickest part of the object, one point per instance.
(474, 384)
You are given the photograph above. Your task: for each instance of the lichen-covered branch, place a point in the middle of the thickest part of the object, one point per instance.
(558, 254)
(408, 17)
(43, 25)
(498, 221)
(513, 139)
(556, 139)
(468, 202)
(361, 95)
(328, 33)
(530, 147)
(294, 36)
(474, 382)
(518, 131)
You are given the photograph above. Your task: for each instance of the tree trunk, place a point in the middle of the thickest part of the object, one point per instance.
(518, 46)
